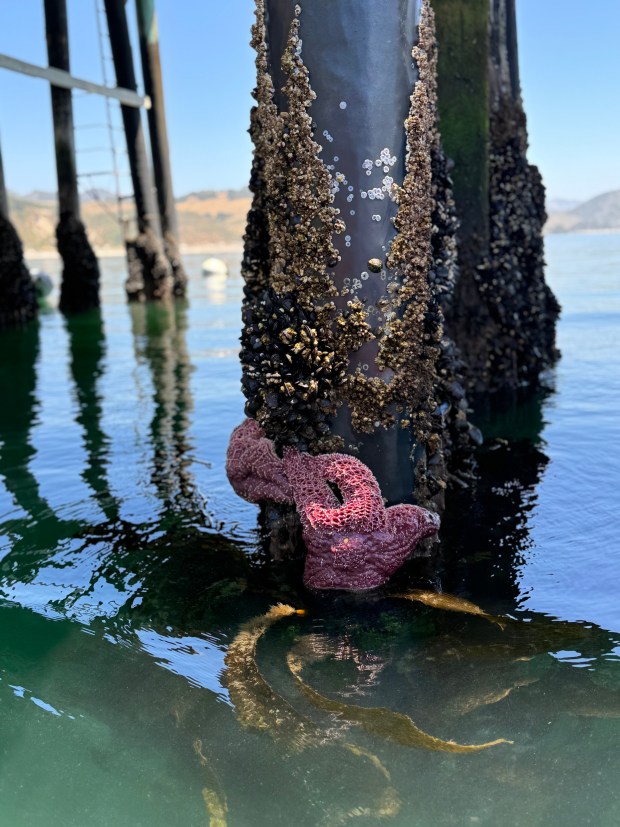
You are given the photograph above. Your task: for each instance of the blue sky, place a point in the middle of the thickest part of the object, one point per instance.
(570, 72)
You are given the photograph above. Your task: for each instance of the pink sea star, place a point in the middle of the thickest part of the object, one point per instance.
(254, 469)
(354, 542)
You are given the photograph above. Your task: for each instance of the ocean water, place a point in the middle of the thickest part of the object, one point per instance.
(129, 571)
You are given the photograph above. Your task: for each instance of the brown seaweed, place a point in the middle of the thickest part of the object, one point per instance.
(212, 794)
(259, 707)
(450, 603)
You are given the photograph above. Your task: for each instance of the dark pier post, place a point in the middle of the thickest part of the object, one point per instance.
(80, 278)
(350, 243)
(153, 87)
(4, 198)
(503, 317)
(150, 274)
(18, 300)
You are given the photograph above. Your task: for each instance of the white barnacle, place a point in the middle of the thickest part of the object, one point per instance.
(350, 197)
(343, 104)
(352, 212)
(364, 194)
(367, 163)
(364, 275)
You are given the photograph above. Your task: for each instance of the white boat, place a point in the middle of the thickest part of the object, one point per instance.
(214, 267)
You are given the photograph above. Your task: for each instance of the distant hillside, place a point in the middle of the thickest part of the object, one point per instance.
(598, 214)
(205, 218)
(211, 217)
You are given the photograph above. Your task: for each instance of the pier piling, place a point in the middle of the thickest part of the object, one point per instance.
(18, 300)
(154, 88)
(150, 274)
(80, 277)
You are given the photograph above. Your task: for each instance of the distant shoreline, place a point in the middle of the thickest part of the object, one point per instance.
(119, 252)
(601, 231)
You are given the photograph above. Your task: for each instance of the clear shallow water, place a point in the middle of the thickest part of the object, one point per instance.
(127, 567)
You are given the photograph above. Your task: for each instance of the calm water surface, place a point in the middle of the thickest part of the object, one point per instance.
(128, 567)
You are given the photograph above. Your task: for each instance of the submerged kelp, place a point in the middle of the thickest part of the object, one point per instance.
(259, 707)
(392, 726)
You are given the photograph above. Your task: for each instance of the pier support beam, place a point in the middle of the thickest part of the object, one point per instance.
(350, 252)
(18, 300)
(153, 87)
(80, 277)
(503, 317)
(150, 274)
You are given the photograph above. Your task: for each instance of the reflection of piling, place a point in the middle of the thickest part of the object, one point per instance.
(18, 300)
(88, 347)
(159, 333)
(153, 87)
(80, 278)
(150, 274)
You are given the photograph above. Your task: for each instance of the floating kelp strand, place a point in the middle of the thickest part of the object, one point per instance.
(256, 704)
(391, 726)
(450, 603)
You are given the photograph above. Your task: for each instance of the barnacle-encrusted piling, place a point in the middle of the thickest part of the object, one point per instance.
(504, 315)
(512, 280)
(80, 271)
(346, 277)
(18, 299)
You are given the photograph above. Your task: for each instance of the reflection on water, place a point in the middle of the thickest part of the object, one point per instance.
(135, 685)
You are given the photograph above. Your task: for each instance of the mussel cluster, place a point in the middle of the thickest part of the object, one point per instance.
(18, 300)
(80, 272)
(290, 370)
(452, 436)
(150, 273)
(512, 281)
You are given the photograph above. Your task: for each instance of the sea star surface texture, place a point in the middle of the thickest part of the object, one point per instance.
(354, 542)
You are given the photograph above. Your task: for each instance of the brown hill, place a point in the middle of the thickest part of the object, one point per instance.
(204, 219)
(599, 214)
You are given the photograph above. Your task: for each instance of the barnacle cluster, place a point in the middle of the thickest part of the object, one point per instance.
(18, 300)
(511, 281)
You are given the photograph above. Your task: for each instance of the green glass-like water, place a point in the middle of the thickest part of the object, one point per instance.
(128, 566)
